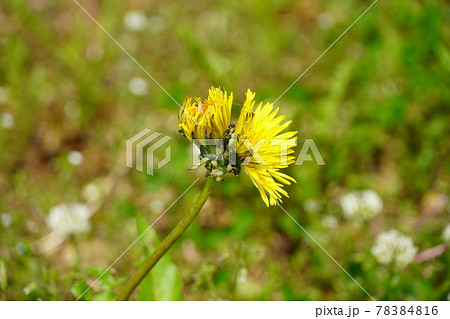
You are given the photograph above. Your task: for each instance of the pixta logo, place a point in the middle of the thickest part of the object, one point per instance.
(145, 142)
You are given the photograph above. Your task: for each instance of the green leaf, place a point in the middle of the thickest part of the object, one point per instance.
(79, 288)
(3, 277)
(106, 280)
(164, 280)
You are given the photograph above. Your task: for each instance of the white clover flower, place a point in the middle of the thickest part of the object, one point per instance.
(361, 204)
(325, 20)
(135, 21)
(6, 219)
(7, 120)
(75, 158)
(70, 218)
(393, 247)
(329, 221)
(138, 86)
(242, 275)
(312, 206)
(446, 234)
(157, 206)
(92, 193)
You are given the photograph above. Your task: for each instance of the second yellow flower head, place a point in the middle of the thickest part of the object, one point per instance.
(206, 118)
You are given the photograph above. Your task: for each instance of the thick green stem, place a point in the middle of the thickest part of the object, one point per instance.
(179, 229)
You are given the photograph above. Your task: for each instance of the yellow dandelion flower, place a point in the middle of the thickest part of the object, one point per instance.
(257, 143)
(206, 118)
(264, 149)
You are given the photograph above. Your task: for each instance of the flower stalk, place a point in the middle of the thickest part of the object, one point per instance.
(179, 229)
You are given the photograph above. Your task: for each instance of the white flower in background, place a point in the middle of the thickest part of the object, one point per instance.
(75, 158)
(312, 206)
(157, 206)
(325, 20)
(393, 247)
(92, 193)
(7, 120)
(69, 219)
(361, 204)
(138, 86)
(329, 221)
(29, 288)
(6, 219)
(135, 21)
(242, 275)
(446, 234)
(156, 24)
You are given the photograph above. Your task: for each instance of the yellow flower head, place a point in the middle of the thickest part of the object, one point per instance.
(264, 149)
(257, 143)
(206, 118)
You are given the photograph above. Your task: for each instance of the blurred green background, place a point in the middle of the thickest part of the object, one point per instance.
(376, 105)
